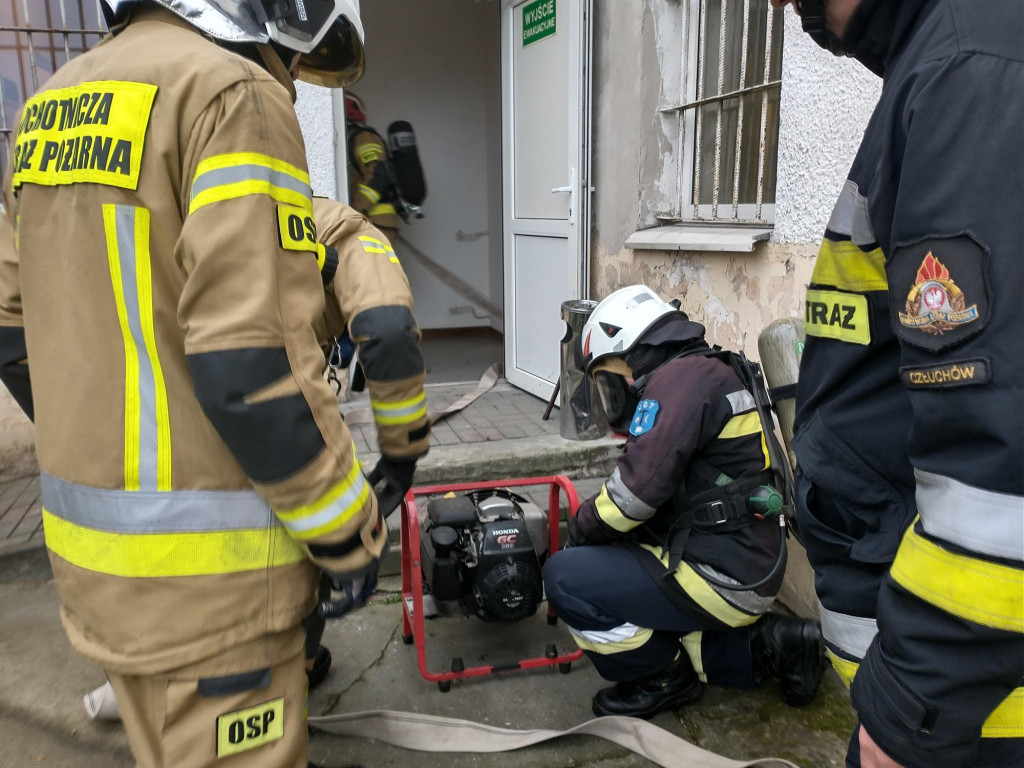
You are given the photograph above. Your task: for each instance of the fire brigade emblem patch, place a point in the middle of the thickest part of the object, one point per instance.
(644, 417)
(935, 304)
(948, 298)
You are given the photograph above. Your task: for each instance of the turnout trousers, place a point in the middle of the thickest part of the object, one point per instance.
(627, 626)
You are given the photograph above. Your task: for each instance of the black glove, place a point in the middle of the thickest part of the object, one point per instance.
(397, 476)
(574, 534)
(355, 589)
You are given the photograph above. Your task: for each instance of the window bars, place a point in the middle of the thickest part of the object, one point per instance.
(727, 117)
(37, 37)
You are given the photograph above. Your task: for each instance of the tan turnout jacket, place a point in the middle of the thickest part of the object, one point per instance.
(368, 181)
(193, 458)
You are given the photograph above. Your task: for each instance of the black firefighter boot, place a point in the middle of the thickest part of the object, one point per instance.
(669, 689)
(793, 651)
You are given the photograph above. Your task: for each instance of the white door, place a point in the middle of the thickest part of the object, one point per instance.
(546, 179)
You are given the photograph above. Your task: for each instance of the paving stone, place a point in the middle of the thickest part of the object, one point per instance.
(511, 431)
(445, 435)
(531, 430)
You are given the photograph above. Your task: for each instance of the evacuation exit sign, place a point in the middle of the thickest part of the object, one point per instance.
(538, 20)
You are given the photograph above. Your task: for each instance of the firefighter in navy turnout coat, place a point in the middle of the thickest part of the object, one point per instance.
(671, 525)
(910, 412)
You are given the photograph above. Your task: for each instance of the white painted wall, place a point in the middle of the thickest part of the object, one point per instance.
(824, 109)
(313, 106)
(437, 65)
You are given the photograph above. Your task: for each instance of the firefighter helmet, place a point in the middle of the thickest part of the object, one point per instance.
(619, 322)
(327, 34)
(355, 110)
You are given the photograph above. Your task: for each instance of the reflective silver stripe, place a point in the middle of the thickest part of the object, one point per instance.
(155, 512)
(850, 634)
(218, 177)
(350, 497)
(747, 601)
(978, 520)
(741, 401)
(604, 636)
(625, 500)
(124, 217)
(850, 216)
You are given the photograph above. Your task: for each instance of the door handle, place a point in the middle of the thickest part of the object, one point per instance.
(571, 189)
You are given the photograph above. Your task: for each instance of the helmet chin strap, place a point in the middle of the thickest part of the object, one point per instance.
(812, 18)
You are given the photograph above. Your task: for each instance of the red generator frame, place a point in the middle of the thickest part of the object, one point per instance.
(413, 630)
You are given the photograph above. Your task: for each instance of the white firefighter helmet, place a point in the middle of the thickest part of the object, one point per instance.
(619, 322)
(328, 34)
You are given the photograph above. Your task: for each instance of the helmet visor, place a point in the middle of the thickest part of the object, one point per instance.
(337, 60)
(618, 400)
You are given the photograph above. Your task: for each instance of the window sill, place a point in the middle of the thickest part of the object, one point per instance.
(692, 237)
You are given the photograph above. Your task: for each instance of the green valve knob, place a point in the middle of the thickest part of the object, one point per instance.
(765, 501)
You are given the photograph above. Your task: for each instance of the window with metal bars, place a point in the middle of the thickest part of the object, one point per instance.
(726, 119)
(36, 38)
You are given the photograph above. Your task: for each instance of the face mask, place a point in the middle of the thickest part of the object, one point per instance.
(618, 399)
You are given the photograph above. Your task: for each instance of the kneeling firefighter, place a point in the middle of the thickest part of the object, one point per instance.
(685, 540)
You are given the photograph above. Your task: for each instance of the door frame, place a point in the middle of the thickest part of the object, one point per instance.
(580, 85)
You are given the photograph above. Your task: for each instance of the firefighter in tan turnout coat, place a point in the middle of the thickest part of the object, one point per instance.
(198, 471)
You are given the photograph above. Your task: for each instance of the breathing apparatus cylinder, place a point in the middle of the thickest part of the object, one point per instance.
(405, 160)
(781, 346)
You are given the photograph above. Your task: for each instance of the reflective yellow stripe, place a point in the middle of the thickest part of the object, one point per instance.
(609, 511)
(371, 194)
(692, 646)
(986, 593)
(741, 426)
(612, 641)
(382, 209)
(846, 669)
(836, 315)
(199, 553)
(845, 266)
(144, 280)
(229, 176)
(1007, 720)
(373, 245)
(702, 593)
(332, 510)
(132, 404)
(147, 454)
(401, 412)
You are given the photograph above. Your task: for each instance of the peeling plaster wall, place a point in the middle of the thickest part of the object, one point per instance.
(314, 109)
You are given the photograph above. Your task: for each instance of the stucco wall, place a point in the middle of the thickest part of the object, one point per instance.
(313, 106)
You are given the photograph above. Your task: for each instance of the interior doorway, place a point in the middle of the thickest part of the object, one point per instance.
(438, 66)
